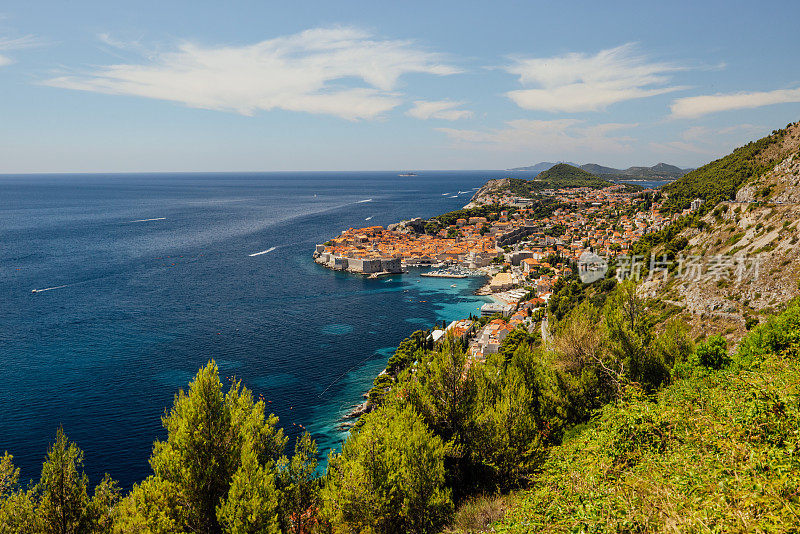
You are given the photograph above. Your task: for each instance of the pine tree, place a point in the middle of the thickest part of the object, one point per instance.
(216, 470)
(17, 509)
(299, 487)
(389, 477)
(63, 489)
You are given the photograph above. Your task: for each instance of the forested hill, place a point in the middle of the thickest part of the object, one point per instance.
(753, 224)
(715, 451)
(660, 170)
(720, 179)
(557, 177)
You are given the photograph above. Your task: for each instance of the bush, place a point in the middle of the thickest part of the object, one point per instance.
(713, 352)
(476, 514)
(389, 477)
(778, 335)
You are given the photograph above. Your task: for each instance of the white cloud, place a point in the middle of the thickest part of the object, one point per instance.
(710, 142)
(560, 139)
(344, 72)
(27, 41)
(697, 106)
(438, 109)
(580, 82)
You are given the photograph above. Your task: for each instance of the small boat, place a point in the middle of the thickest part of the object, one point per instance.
(453, 285)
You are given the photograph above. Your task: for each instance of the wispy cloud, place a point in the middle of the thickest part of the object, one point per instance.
(438, 109)
(580, 82)
(346, 72)
(709, 141)
(559, 138)
(18, 43)
(696, 106)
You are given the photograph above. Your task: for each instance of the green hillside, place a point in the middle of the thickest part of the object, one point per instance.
(720, 179)
(557, 177)
(717, 451)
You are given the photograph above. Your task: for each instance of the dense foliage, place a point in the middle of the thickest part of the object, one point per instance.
(720, 179)
(715, 451)
(389, 477)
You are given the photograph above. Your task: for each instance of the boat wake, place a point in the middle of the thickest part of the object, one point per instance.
(146, 220)
(362, 201)
(49, 288)
(270, 249)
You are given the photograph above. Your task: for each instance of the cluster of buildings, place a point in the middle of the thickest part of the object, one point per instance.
(523, 254)
(596, 219)
(488, 339)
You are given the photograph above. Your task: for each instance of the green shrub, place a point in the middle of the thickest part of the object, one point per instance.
(637, 429)
(713, 352)
(477, 513)
(778, 335)
(389, 477)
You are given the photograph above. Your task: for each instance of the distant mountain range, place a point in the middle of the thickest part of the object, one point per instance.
(660, 170)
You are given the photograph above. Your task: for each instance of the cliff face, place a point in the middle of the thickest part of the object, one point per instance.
(489, 189)
(749, 250)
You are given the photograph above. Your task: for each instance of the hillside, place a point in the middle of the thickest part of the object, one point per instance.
(757, 223)
(720, 179)
(557, 177)
(594, 168)
(715, 449)
(714, 452)
(660, 170)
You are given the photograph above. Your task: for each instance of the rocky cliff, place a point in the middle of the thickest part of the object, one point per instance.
(744, 252)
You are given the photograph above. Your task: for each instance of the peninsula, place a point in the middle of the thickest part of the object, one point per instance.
(525, 236)
(509, 227)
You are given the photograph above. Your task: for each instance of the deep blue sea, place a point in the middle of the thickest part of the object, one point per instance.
(134, 307)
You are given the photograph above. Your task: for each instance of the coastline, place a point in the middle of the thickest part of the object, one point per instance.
(350, 418)
(273, 320)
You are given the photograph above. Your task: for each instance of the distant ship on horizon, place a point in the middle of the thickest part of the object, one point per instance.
(407, 173)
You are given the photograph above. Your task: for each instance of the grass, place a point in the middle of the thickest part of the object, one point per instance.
(477, 514)
(717, 451)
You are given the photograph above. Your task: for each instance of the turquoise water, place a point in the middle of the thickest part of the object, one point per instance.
(447, 304)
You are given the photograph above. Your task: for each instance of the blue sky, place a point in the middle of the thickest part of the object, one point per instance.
(258, 86)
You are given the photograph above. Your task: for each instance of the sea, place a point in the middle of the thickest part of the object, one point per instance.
(116, 288)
